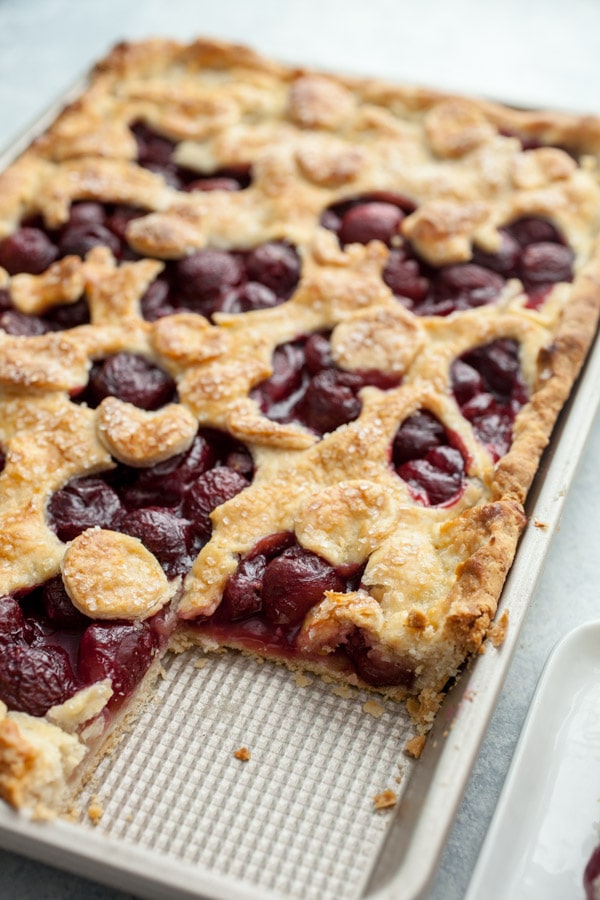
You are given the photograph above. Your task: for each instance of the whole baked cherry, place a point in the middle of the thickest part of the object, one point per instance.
(13, 627)
(294, 582)
(275, 264)
(32, 679)
(211, 490)
(373, 667)
(83, 503)
(132, 379)
(164, 533)
(28, 250)
(122, 652)
(58, 606)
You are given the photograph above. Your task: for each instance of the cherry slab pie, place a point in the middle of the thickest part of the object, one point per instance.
(279, 355)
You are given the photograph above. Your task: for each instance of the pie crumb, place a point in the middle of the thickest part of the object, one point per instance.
(497, 632)
(414, 747)
(385, 800)
(342, 691)
(374, 708)
(200, 663)
(301, 680)
(95, 811)
(242, 753)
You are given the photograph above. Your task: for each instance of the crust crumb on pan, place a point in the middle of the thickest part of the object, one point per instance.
(414, 747)
(385, 800)
(95, 811)
(497, 632)
(462, 302)
(243, 754)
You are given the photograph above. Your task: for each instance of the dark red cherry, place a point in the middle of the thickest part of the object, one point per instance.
(211, 490)
(87, 212)
(371, 221)
(58, 606)
(120, 217)
(121, 652)
(492, 407)
(505, 260)
(275, 264)
(286, 378)
(417, 435)
(466, 382)
(201, 275)
(249, 296)
(153, 148)
(163, 533)
(62, 317)
(468, 285)
(13, 626)
(498, 364)
(166, 483)
(533, 230)
(27, 250)
(330, 400)
(546, 263)
(404, 277)
(132, 379)
(317, 353)
(155, 303)
(80, 239)
(374, 668)
(438, 478)
(242, 596)
(32, 679)
(83, 503)
(17, 323)
(294, 582)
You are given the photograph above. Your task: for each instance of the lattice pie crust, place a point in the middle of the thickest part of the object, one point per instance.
(430, 574)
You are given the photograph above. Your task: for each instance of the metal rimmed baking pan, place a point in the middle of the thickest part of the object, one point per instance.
(183, 818)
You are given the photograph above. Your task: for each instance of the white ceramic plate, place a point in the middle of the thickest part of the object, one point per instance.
(547, 820)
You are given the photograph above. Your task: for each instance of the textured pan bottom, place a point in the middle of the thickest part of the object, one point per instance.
(297, 818)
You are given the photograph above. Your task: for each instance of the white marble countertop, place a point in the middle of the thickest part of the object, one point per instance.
(543, 52)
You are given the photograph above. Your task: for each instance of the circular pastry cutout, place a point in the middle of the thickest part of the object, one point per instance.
(109, 575)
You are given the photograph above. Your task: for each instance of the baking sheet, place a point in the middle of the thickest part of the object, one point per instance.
(547, 822)
(182, 815)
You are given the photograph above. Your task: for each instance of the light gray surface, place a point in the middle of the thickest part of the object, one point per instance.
(539, 53)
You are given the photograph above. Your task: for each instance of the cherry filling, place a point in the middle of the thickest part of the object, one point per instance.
(166, 506)
(428, 458)
(33, 247)
(48, 649)
(269, 595)
(307, 387)
(232, 281)
(155, 152)
(130, 378)
(490, 391)
(532, 249)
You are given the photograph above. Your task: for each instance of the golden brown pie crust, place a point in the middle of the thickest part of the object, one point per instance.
(433, 575)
